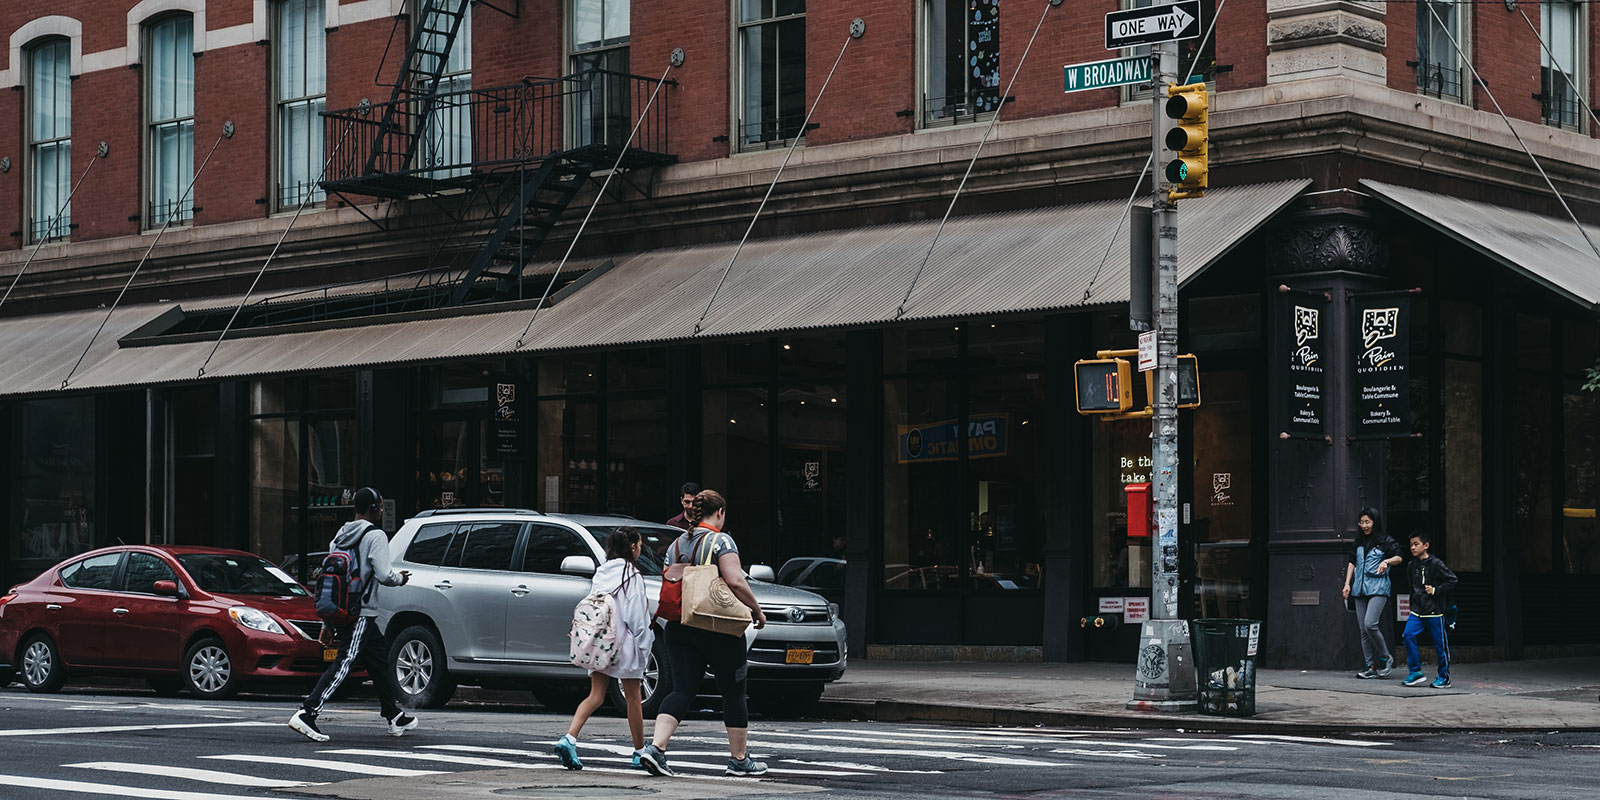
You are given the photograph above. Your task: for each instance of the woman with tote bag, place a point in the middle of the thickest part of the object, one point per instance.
(692, 650)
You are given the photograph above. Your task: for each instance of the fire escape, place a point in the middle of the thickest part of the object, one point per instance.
(511, 157)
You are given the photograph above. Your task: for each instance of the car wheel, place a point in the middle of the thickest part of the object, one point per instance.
(788, 701)
(166, 687)
(209, 670)
(417, 661)
(657, 683)
(41, 666)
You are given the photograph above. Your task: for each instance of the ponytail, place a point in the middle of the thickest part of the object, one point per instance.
(706, 503)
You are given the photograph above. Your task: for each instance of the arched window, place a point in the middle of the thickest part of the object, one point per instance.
(49, 134)
(169, 114)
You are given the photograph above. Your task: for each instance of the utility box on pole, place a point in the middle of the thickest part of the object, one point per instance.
(1141, 266)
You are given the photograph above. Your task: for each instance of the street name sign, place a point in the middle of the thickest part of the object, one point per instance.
(1151, 24)
(1102, 74)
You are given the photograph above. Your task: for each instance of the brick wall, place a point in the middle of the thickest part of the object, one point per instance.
(876, 77)
(1506, 53)
(699, 105)
(238, 183)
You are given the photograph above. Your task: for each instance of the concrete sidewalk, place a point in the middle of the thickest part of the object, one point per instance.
(1557, 694)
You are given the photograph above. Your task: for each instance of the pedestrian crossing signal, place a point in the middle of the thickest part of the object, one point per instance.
(1189, 139)
(1104, 385)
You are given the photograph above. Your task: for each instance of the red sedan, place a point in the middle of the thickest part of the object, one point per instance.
(197, 618)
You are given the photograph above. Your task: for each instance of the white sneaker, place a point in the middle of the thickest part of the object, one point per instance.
(306, 725)
(401, 723)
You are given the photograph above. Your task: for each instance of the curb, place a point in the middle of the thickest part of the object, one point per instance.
(898, 711)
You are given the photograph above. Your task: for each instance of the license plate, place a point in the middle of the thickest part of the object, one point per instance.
(797, 655)
(333, 655)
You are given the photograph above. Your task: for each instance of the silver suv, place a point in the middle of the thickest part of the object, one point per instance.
(490, 602)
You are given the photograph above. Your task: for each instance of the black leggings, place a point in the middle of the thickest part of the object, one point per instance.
(691, 651)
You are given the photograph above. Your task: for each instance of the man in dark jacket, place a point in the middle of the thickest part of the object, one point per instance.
(1431, 580)
(687, 492)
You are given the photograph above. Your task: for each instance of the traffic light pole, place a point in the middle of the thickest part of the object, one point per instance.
(1164, 678)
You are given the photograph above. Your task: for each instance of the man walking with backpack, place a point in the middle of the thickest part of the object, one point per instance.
(358, 560)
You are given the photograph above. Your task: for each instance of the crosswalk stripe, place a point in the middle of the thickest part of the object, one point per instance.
(370, 770)
(1268, 738)
(1137, 755)
(978, 735)
(188, 773)
(627, 758)
(466, 761)
(956, 740)
(1145, 743)
(129, 728)
(83, 787)
(948, 755)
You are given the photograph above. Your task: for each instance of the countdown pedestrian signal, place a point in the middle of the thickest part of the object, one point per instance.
(1105, 385)
(1189, 139)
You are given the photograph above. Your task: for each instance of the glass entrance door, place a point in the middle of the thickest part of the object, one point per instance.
(1223, 525)
(454, 469)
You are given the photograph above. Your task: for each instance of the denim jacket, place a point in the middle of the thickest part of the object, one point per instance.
(1366, 554)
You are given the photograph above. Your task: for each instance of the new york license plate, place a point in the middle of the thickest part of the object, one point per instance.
(799, 655)
(332, 654)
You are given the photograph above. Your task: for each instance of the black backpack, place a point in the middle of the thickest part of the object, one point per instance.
(342, 589)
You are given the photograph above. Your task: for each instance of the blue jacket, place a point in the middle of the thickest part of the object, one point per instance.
(1366, 552)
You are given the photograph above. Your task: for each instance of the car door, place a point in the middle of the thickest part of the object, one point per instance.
(539, 614)
(144, 630)
(80, 623)
(482, 582)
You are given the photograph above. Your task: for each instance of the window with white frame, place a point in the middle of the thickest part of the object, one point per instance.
(49, 129)
(1194, 61)
(169, 111)
(961, 62)
(602, 107)
(446, 145)
(772, 72)
(1440, 66)
(302, 78)
(1561, 64)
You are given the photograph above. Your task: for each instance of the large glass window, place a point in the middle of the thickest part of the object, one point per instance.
(301, 62)
(772, 70)
(53, 479)
(603, 112)
(446, 145)
(193, 418)
(961, 61)
(603, 435)
(1561, 63)
(303, 450)
(1440, 66)
(169, 111)
(49, 127)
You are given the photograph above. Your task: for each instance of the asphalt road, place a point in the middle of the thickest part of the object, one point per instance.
(107, 742)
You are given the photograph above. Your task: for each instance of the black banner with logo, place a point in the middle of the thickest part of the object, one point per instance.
(1302, 353)
(1380, 329)
(505, 417)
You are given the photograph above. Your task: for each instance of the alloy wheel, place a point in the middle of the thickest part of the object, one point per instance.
(37, 663)
(413, 667)
(652, 677)
(210, 669)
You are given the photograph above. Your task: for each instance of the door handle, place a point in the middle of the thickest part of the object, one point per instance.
(442, 585)
(119, 611)
(52, 607)
(520, 591)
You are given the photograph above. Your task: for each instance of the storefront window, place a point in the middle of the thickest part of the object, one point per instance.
(1463, 464)
(194, 449)
(569, 456)
(602, 435)
(1121, 458)
(1005, 461)
(53, 479)
(1580, 535)
(637, 479)
(1530, 453)
(1224, 509)
(811, 485)
(736, 461)
(303, 452)
(924, 523)
(274, 484)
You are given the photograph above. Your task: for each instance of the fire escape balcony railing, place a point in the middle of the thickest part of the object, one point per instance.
(415, 145)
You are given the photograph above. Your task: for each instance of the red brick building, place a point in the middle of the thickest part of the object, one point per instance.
(1353, 150)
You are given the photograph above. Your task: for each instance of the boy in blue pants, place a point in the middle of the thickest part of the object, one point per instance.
(1430, 579)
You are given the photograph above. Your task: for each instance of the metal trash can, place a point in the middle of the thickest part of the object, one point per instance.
(1225, 665)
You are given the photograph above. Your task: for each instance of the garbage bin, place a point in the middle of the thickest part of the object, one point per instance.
(1225, 664)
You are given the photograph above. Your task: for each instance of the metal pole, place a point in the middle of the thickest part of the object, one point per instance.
(1164, 677)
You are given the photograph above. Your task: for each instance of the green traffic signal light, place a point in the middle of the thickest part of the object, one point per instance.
(1177, 171)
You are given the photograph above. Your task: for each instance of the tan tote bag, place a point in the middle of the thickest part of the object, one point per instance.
(708, 603)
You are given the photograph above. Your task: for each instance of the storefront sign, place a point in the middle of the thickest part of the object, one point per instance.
(1111, 605)
(1135, 609)
(1302, 353)
(505, 423)
(1380, 323)
(939, 441)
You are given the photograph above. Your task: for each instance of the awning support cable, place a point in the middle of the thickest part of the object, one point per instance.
(1148, 160)
(43, 240)
(227, 133)
(1576, 92)
(674, 62)
(1536, 165)
(857, 29)
(274, 254)
(900, 310)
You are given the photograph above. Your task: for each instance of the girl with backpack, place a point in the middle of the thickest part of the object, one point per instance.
(615, 647)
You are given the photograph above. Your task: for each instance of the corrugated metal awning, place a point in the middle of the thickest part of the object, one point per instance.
(1550, 250)
(1037, 260)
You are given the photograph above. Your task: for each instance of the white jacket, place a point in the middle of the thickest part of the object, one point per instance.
(633, 614)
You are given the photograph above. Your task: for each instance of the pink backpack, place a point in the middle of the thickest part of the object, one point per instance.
(594, 637)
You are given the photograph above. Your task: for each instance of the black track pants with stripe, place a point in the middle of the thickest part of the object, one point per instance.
(361, 644)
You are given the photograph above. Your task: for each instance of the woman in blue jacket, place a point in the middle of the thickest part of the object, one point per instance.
(1366, 579)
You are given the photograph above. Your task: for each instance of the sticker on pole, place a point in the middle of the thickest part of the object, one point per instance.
(1255, 639)
(1151, 24)
(1147, 351)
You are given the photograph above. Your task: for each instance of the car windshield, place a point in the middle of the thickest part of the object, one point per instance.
(220, 573)
(656, 542)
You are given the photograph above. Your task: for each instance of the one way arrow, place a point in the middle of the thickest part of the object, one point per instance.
(1178, 19)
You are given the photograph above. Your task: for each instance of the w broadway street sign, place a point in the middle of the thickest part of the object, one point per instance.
(1101, 74)
(1150, 24)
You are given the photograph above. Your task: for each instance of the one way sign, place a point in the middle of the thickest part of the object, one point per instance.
(1150, 24)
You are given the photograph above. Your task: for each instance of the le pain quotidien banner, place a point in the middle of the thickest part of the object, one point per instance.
(1381, 340)
(1302, 353)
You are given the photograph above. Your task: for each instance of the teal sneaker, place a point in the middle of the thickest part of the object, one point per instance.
(1416, 679)
(636, 764)
(1388, 667)
(1441, 682)
(567, 751)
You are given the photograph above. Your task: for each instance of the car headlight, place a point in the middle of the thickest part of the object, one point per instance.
(254, 618)
(833, 611)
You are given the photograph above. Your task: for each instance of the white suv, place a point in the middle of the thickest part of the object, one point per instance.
(490, 602)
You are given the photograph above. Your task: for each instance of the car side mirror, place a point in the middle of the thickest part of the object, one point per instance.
(165, 588)
(762, 572)
(577, 565)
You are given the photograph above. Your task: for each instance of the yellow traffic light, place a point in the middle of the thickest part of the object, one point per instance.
(1104, 385)
(1188, 139)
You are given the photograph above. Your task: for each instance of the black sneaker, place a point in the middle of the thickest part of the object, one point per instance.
(746, 767)
(306, 725)
(655, 762)
(401, 723)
